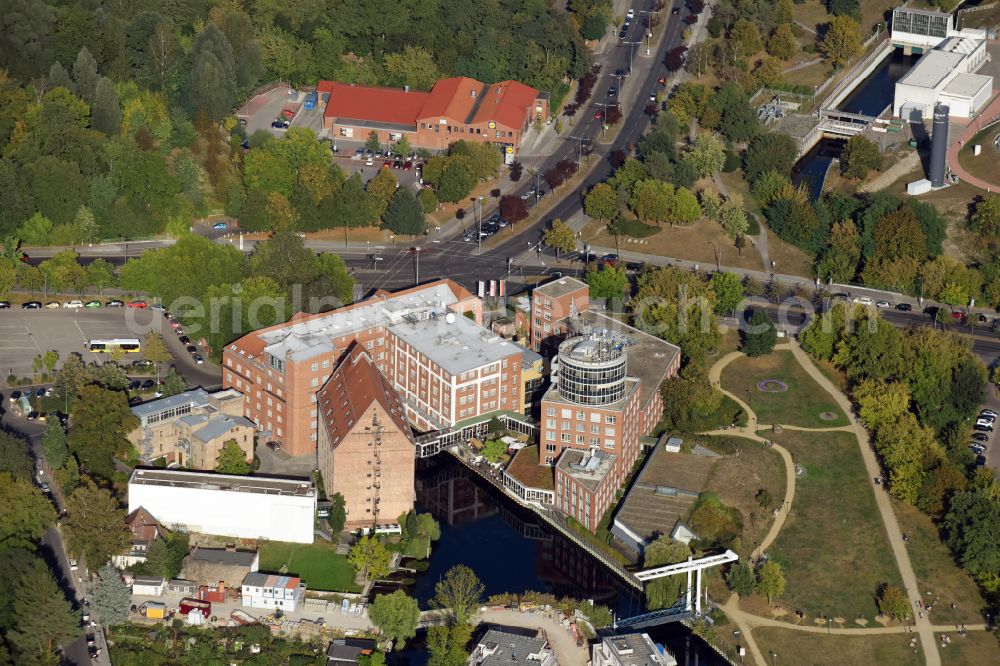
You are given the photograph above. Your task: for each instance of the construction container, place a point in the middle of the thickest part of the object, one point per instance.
(155, 610)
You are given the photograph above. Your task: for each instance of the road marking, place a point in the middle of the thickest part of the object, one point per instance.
(82, 336)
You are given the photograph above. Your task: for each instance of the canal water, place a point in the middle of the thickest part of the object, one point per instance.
(870, 98)
(512, 551)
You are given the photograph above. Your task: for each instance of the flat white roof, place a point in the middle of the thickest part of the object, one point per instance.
(932, 69)
(263, 485)
(967, 85)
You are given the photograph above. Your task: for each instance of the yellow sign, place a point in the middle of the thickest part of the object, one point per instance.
(492, 124)
(510, 150)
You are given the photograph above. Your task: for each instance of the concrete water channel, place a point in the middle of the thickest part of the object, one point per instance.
(870, 97)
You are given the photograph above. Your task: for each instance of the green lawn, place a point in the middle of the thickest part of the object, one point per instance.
(317, 564)
(978, 647)
(807, 649)
(937, 572)
(800, 405)
(833, 546)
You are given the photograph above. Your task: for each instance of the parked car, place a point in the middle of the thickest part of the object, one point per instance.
(220, 226)
(610, 259)
(955, 314)
(198, 358)
(156, 307)
(184, 339)
(14, 396)
(370, 161)
(134, 385)
(599, 114)
(612, 91)
(280, 124)
(40, 392)
(138, 304)
(904, 307)
(407, 165)
(882, 304)
(630, 14)
(115, 303)
(148, 384)
(134, 400)
(53, 305)
(4, 305)
(32, 305)
(989, 412)
(73, 305)
(980, 460)
(977, 448)
(980, 437)
(192, 349)
(862, 300)
(982, 428)
(92, 304)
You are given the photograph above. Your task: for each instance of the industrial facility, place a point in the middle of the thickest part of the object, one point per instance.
(946, 74)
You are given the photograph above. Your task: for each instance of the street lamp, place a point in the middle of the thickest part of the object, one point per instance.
(773, 655)
(718, 263)
(829, 625)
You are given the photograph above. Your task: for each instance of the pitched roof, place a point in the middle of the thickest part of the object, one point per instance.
(144, 525)
(371, 103)
(453, 98)
(509, 103)
(352, 388)
(242, 558)
(270, 580)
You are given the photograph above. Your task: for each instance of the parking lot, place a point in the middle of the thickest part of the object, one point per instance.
(351, 163)
(24, 334)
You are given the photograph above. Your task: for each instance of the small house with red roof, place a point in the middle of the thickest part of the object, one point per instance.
(457, 108)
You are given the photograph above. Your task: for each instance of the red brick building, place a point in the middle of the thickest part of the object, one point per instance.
(445, 366)
(604, 394)
(365, 450)
(454, 109)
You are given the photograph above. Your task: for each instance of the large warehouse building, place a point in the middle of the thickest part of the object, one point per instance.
(427, 341)
(458, 108)
(946, 72)
(243, 507)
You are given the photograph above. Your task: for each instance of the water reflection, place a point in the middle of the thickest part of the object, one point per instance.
(511, 551)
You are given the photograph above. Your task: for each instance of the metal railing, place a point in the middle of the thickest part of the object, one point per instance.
(850, 78)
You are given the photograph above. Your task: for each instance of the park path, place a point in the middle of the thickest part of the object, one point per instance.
(922, 624)
(747, 621)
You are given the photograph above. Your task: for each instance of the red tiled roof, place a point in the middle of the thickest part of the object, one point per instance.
(508, 103)
(349, 392)
(452, 98)
(383, 105)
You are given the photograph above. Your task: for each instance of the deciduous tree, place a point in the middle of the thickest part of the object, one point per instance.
(607, 282)
(759, 336)
(860, 156)
(728, 290)
(663, 592)
(95, 526)
(741, 578)
(24, 512)
(601, 202)
(396, 615)
(369, 557)
(841, 41)
(771, 580)
(404, 214)
(560, 237)
(781, 44)
(460, 592)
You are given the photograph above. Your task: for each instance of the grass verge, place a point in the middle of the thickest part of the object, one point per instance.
(937, 573)
(801, 405)
(978, 647)
(798, 647)
(317, 564)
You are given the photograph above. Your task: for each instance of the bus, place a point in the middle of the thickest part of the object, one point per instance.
(124, 344)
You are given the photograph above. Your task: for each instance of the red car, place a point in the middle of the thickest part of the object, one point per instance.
(387, 164)
(599, 115)
(957, 315)
(407, 165)
(662, 80)
(138, 304)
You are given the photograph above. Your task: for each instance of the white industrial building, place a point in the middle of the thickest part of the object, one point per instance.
(264, 590)
(946, 72)
(244, 507)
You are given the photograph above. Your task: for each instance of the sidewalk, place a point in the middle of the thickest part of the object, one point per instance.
(988, 113)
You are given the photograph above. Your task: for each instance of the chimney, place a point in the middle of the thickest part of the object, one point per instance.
(406, 88)
(473, 93)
